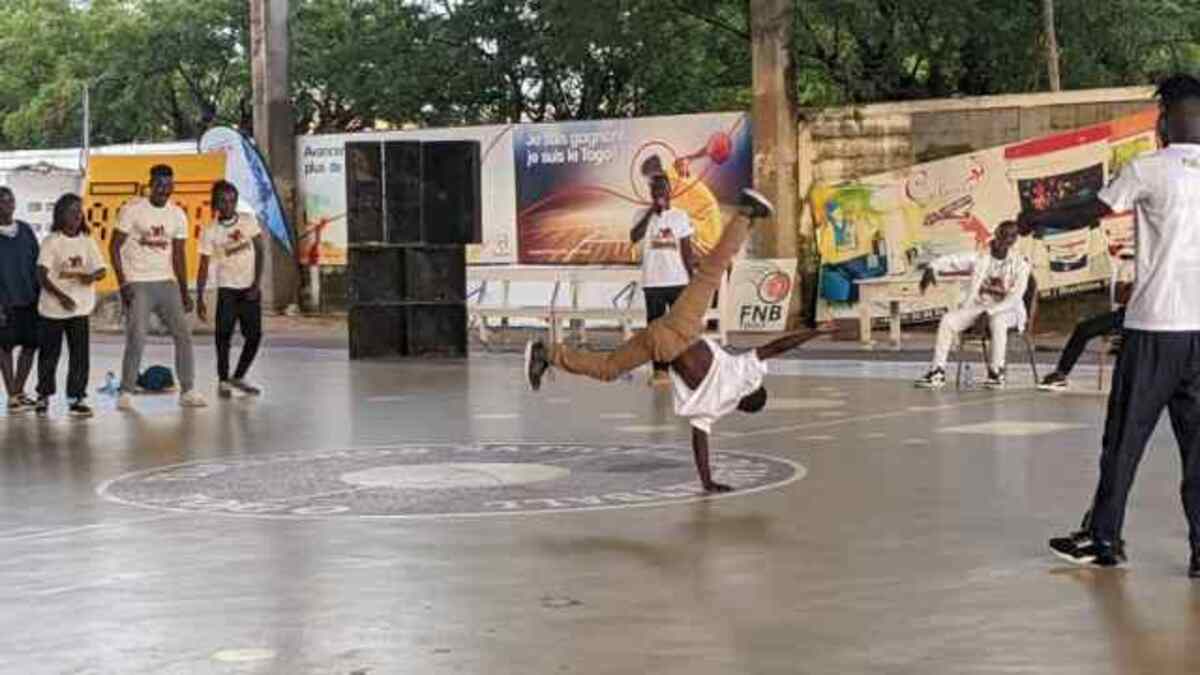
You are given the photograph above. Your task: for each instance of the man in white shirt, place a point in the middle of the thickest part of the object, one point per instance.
(667, 259)
(708, 382)
(999, 278)
(232, 246)
(1159, 365)
(149, 259)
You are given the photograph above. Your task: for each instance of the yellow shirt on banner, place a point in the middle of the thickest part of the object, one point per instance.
(847, 222)
(701, 205)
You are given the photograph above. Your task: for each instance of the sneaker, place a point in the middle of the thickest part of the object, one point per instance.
(125, 401)
(995, 379)
(1055, 381)
(192, 399)
(80, 409)
(224, 389)
(1081, 537)
(536, 364)
(934, 379)
(26, 400)
(1194, 566)
(16, 405)
(245, 387)
(1085, 551)
(759, 205)
(42, 406)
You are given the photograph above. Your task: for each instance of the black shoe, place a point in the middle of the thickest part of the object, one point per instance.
(245, 387)
(759, 205)
(1086, 551)
(995, 379)
(42, 406)
(1055, 381)
(1194, 566)
(934, 379)
(1082, 537)
(536, 363)
(80, 409)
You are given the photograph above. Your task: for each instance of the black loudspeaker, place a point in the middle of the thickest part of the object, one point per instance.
(364, 193)
(451, 199)
(407, 330)
(407, 274)
(403, 191)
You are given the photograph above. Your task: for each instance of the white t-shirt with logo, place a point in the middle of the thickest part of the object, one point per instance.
(1163, 190)
(63, 257)
(150, 232)
(662, 257)
(730, 378)
(230, 248)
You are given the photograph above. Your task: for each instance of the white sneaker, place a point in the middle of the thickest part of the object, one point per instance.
(125, 401)
(192, 399)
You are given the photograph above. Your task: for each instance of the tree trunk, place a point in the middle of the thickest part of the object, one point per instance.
(1051, 45)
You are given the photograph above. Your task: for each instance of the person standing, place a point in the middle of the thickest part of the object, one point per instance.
(1159, 363)
(69, 267)
(149, 258)
(232, 245)
(18, 302)
(667, 258)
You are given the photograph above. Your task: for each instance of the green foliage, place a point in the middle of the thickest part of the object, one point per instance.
(167, 69)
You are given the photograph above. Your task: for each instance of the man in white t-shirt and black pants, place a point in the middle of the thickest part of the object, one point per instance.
(233, 247)
(1159, 364)
(149, 258)
(667, 259)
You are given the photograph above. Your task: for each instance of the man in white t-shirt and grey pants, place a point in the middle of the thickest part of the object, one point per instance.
(667, 259)
(1159, 364)
(148, 256)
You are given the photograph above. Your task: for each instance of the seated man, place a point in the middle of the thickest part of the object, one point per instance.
(1103, 324)
(708, 382)
(998, 282)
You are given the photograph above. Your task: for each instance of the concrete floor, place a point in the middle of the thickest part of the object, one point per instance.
(902, 531)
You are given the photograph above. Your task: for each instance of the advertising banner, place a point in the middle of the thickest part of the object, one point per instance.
(581, 185)
(889, 224)
(760, 291)
(322, 191)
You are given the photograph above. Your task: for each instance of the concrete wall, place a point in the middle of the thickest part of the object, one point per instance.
(838, 144)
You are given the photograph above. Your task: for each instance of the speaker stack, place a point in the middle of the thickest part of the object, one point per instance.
(412, 207)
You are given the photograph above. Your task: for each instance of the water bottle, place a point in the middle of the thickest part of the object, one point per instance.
(968, 377)
(110, 384)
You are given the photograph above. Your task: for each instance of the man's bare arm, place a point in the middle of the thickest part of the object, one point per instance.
(790, 341)
(700, 450)
(639, 228)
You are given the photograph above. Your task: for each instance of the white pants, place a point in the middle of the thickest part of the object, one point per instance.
(958, 320)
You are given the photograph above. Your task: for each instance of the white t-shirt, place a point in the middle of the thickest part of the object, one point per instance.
(63, 256)
(730, 378)
(230, 248)
(151, 230)
(662, 259)
(1163, 189)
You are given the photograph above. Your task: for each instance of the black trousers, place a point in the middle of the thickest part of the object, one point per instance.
(658, 301)
(50, 340)
(233, 310)
(1084, 332)
(1155, 370)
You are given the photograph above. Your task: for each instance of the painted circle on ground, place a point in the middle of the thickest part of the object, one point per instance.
(436, 480)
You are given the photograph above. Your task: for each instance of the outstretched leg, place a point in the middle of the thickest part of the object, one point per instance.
(668, 337)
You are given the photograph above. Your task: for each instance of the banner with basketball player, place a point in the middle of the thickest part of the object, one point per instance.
(581, 185)
(888, 225)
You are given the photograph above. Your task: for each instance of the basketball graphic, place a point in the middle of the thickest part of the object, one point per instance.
(719, 147)
(774, 287)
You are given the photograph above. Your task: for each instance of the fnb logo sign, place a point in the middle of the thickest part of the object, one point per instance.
(772, 289)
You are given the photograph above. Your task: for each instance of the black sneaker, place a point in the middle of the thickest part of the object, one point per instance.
(934, 379)
(759, 205)
(1082, 537)
(42, 406)
(536, 363)
(1055, 381)
(245, 387)
(80, 409)
(995, 379)
(1086, 552)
